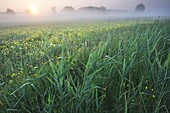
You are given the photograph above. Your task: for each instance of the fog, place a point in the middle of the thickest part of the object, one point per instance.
(22, 18)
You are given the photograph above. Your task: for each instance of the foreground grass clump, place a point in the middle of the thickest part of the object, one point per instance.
(99, 67)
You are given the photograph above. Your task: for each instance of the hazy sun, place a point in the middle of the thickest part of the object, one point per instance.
(34, 9)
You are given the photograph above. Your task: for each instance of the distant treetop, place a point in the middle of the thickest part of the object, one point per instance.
(28, 11)
(140, 7)
(53, 9)
(9, 11)
(68, 9)
(92, 8)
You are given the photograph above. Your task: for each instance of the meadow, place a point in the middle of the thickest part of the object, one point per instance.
(120, 66)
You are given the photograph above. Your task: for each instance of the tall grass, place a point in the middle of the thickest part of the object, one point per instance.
(116, 68)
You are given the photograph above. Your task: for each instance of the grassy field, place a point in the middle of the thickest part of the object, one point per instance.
(92, 67)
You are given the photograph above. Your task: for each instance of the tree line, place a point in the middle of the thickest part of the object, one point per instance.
(139, 8)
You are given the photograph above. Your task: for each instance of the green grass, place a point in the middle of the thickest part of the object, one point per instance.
(95, 67)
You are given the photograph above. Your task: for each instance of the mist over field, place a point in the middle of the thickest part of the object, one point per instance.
(22, 18)
(48, 11)
(42, 10)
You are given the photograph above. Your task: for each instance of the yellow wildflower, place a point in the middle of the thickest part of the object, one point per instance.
(13, 75)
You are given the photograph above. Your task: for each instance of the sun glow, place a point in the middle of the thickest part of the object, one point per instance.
(34, 10)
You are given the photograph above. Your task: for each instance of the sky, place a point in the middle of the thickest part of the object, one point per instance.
(45, 5)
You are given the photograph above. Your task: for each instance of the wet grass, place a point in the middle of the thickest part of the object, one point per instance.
(96, 67)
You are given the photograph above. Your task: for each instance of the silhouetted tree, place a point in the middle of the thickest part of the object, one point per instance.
(93, 8)
(28, 11)
(53, 9)
(9, 11)
(140, 7)
(68, 9)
